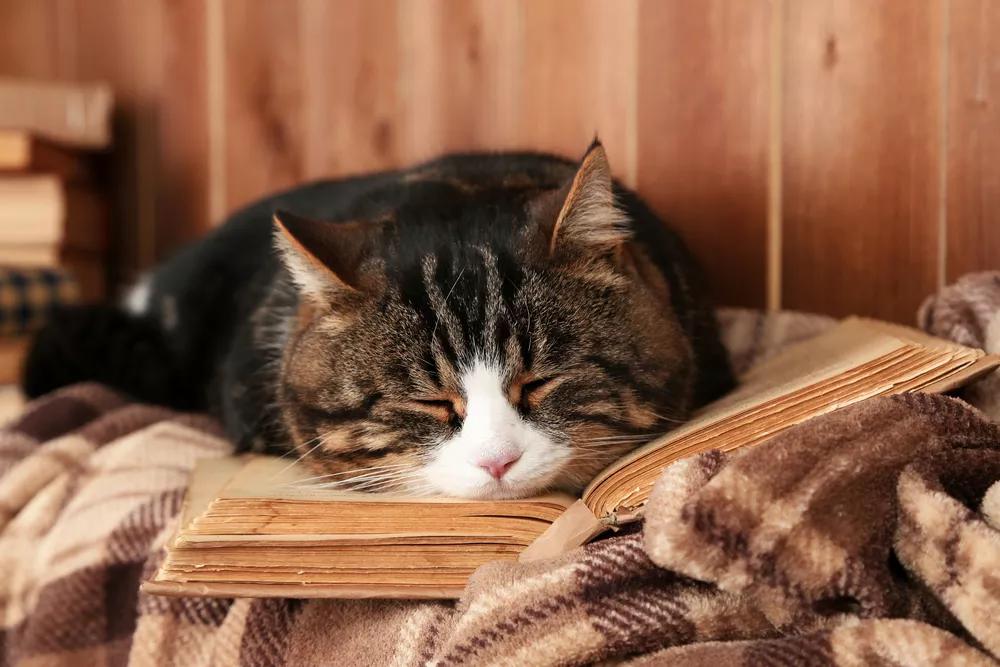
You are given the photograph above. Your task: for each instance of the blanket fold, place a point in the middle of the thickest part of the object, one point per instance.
(807, 524)
(868, 512)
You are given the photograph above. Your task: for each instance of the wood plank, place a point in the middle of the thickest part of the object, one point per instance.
(183, 139)
(31, 41)
(120, 42)
(862, 128)
(264, 137)
(351, 57)
(459, 68)
(519, 75)
(973, 175)
(578, 79)
(703, 134)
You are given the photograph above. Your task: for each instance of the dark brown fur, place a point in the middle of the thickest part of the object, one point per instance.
(585, 308)
(347, 346)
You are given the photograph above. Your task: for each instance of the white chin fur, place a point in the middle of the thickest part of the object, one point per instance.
(493, 427)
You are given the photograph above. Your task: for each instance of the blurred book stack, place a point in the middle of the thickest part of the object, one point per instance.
(53, 216)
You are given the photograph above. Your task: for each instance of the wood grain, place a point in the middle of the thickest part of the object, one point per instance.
(350, 59)
(31, 40)
(973, 129)
(861, 155)
(886, 183)
(122, 42)
(578, 79)
(703, 134)
(264, 101)
(183, 133)
(460, 65)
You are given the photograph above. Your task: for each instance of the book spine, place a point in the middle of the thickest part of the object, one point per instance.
(42, 210)
(75, 114)
(23, 153)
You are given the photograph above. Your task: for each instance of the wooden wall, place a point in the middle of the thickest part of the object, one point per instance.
(828, 155)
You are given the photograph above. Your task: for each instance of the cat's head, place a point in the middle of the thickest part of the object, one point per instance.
(482, 343)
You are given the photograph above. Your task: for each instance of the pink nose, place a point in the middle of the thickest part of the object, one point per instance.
(497, 466)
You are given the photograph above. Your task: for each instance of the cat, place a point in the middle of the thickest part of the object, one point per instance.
(479, 326)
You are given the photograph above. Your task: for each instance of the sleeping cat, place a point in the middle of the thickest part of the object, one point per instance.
(483, 326)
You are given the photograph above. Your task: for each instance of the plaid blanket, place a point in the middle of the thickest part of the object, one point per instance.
(869, 536)
(29, 295)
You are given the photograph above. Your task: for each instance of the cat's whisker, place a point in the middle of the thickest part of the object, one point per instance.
(669, 419)
(363, 481)
(322, 438)
(421, 490)
(357, 475)
(294, 450)
(624, 436)
(605, 454)
(577, 444)
(607, 446)
(353, 471)
(374, 478)
(437, 318)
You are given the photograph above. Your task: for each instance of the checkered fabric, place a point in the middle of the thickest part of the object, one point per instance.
(29, 295)
(870, 536)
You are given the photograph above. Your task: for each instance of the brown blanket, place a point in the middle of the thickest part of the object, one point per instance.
(869, 536)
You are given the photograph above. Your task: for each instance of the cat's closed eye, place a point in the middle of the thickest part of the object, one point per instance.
(450, 410)
(528, 395)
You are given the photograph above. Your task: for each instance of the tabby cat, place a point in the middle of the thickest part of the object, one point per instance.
(483, 326)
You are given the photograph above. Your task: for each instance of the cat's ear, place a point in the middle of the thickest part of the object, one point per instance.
(323, 258)
(588, 217)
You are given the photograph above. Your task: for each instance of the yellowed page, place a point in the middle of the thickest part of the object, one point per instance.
(843, 348)
(207, 481)
(802, 382)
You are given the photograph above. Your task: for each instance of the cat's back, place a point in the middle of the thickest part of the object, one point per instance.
(215, 283)
(213, 286)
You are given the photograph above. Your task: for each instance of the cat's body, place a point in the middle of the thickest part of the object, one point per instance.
(465, 305)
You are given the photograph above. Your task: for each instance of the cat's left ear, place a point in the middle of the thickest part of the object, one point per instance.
(589, 219)
(323, 258)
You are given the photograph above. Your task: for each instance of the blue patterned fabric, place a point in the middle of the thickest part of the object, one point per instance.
(29, 295)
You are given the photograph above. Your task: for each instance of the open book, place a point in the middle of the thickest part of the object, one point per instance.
(254, 527)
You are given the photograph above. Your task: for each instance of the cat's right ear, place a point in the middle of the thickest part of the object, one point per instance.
(582, 216)
(323, 258)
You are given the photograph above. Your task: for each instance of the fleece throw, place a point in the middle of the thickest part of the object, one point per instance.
(868, 536)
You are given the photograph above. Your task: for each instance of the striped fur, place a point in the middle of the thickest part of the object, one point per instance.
(348, 333)
(557, 335)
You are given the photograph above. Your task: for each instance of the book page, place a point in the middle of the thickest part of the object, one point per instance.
(844, 347)
(865, 358)
(207, 481)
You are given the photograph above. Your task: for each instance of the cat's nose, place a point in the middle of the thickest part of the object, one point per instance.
(497, 466)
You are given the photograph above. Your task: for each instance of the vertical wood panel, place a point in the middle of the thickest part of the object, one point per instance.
(460, 64)
(578, 77)
(350, 79)
(121, 42)
(861, 155)
(973, 177)
(518, 75)
(264, 115)
(703, 134)
(30, 39)
(183, 135)
(877, 124)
